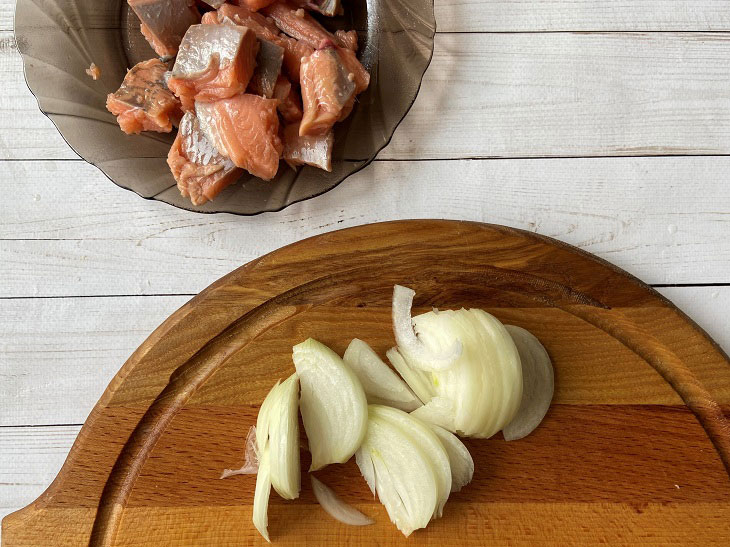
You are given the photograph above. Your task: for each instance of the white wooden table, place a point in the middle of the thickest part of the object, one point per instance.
(602, 123)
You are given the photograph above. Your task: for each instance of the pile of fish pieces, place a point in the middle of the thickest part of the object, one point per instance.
(252, 82)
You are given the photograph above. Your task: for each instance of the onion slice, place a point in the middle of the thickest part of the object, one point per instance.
(251, 457)
(416, 379)
(418, 353)
(261, 496)
(333, 404)
(538, 384)
(337, 508)
(402, 474)
(462, 464)
(284, 440)
(438, 411)
(381, 384)
(427, 441)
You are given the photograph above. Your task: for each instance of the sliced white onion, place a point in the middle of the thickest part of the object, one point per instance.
(416, 379)
(538, 384)
(261, 496)
(333, 404)
(420, 353)
(403, 475)
(251, 457)
(483, 388)
(462, 464)
(284, 440)
(438, 411)
(262, 420)
(337, 508)
(426, 439)
(365, 463)
(381, 384)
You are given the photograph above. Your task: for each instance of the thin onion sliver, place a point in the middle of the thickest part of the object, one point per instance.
(337, 508)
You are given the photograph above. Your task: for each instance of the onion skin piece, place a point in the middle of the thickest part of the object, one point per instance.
(335, 507)
(251, 457)
(261, 496)
(538, 384)
(417, 353)
(462, 464)
(333, 404)
(381, 384)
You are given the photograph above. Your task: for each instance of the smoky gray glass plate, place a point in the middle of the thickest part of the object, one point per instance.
(59, 39)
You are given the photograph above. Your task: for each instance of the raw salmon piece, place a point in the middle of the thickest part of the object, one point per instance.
(325, 7)
(244, 128)
(348, 38)
(143, 102)
(298, 24)
(164, 22)
(268, 68)
(214, 62)
(316, 151)
(214, 3)
(294, 52)
(200, 170)
(253, 5)
(290, 104)
(326, 90)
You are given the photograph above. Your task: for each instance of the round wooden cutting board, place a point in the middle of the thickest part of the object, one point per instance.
(635, 449)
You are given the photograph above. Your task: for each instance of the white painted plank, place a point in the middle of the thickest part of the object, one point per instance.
(7, 14)
(30, 458)
(664, 220)
(707, 306)
(532, 95)
(581, 15)
(58, 355)
(516, 95)
(556, 15)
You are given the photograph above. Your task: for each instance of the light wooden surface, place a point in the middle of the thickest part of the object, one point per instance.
(511, 79)
(150, 452)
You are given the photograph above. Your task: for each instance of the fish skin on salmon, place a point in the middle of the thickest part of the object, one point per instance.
(214, 62)
(290, 104)
(244, 128)
(143, 102)
(268, 68)
(327, 88)
(164, 22)
(214, 3)
(298, 24)
(200, 170)
(314, 150)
